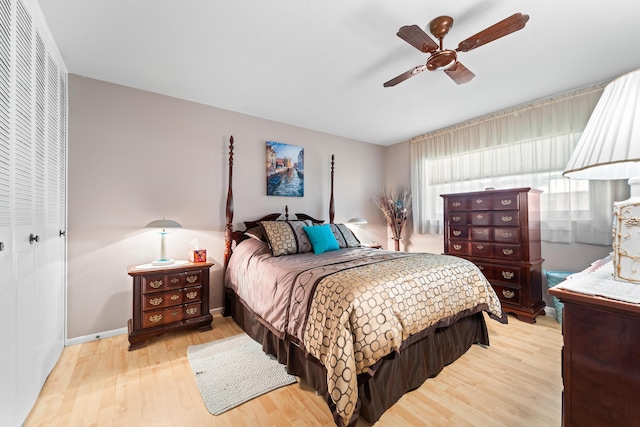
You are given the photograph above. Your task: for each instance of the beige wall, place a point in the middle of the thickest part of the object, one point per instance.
(136, 156)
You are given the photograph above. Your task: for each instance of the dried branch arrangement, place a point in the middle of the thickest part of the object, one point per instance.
(395, 204)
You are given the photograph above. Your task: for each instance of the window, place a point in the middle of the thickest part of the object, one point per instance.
(527, 147)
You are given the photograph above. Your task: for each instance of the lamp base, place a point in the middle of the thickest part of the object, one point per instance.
(163, 262)
(626, 236)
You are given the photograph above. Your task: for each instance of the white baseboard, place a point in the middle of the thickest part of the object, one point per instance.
(114, 332)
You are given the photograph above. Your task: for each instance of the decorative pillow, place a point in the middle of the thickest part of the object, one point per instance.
(257, 233)
(286, 237)
(322, 238)
(344, 236)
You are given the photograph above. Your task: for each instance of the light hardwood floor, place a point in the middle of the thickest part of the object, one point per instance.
(513, 382)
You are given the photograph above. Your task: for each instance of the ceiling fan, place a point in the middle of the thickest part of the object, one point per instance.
(446, 59)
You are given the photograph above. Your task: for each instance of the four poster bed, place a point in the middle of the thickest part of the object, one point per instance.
(361, 326)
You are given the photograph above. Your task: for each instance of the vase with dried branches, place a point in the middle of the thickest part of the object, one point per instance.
(395, 204)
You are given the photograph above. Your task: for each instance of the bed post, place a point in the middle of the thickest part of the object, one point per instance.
(332, 208)
(229, 209)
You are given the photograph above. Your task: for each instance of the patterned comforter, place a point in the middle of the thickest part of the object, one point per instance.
(352, 307)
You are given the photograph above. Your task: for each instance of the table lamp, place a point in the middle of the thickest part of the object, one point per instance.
(608, 149)
(357, 222)
(163, 224)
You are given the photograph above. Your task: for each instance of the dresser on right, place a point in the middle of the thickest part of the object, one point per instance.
(499, 231)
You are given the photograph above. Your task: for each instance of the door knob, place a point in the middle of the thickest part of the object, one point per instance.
(33, 238)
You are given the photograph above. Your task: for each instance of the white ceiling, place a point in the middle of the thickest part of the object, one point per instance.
(321, 64)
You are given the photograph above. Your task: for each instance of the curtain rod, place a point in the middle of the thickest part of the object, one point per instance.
(511, 110)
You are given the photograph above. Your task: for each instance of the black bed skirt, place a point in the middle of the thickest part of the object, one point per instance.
(389, 379)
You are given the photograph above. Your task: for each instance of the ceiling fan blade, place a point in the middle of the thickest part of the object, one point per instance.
(404, 76)
(507, 26)
(417, 38)
(460, 74)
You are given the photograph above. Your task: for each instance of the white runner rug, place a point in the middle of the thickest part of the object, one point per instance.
(234, 370)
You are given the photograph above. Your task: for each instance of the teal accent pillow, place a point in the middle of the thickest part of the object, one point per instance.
(322, 238)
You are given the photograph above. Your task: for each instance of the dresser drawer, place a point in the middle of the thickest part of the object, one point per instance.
(481, 218)
(151, 319)
(480, 203)
(505, 202)
(457, 204)
(505, 219)
(481, 249)
(506, 252)
(482, 234)
(192, 294)
(458, 232)
(457, 247)
(506, 235)
(152, 301)
(507, 294)
(158, 283)
(503, 273)
(458, 218)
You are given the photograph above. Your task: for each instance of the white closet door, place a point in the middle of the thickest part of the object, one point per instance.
(7, 288)
(32, 210)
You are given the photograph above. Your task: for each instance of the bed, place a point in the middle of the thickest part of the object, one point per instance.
(361, 326)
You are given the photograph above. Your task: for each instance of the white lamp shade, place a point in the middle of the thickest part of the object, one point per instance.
(163, 223)
(609, 147)
(357, 221)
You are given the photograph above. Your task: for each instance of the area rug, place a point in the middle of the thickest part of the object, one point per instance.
(234, 370)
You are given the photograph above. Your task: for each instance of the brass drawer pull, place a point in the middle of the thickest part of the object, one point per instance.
(155, 301)
(479, 216)
(456, 218)
(479, 201)
(507, 235)
(456, 204)
(192, 279)
(175, 280)
(191, 310)
(155, 318)
(507, 251)
(457, 247)
(507, 218)
(192, 295)
(155, 284)
(506, 202)
(508, 274)
(457, 232)
(480, 267)
(174, 313)
(508, 294)
(175, 297)
(480, 246)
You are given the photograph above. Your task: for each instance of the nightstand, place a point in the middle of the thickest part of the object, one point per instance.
(372, 245)
(167, 298)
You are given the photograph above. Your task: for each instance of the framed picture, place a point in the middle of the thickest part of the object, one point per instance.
(285, 170)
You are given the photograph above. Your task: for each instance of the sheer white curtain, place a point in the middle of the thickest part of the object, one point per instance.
(523, 147)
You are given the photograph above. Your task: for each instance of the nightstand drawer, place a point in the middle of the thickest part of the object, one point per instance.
(192, 294)
(157, 300)
(151, 319)
(192, 310)
(158, 283)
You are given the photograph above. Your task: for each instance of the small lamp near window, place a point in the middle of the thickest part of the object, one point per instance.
(163, 224)
(609, 149)
(356, 222)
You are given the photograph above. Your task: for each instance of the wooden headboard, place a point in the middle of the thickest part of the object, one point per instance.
(231, 235)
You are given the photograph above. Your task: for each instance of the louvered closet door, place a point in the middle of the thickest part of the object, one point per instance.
(33, 302)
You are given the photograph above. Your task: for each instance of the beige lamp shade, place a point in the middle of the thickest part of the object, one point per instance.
(609, 148)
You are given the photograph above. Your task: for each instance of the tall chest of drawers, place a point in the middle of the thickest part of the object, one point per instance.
(166, 298)
(499, 231)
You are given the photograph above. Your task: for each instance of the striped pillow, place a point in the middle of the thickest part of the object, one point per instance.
(287, 237)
